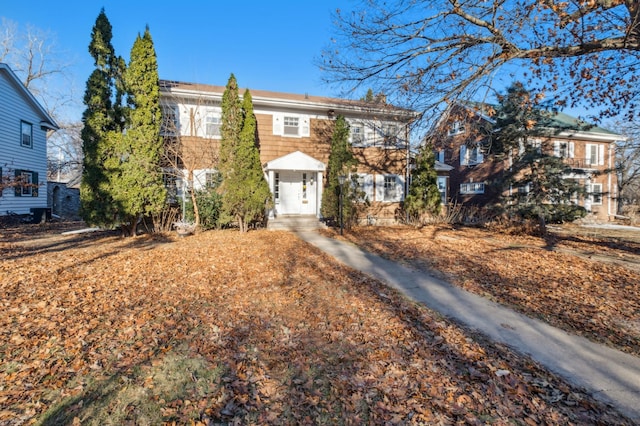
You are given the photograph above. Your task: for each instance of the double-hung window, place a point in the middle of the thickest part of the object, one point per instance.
(472, 188)
(27, 183)
(170, 121)
(456, 128)
(563, 149)
(594, 154)
(26, 134)
(212, 126)
(596, 193)
(291, 125)
(357, 134)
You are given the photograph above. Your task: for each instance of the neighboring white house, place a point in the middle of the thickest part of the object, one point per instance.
(24, 124)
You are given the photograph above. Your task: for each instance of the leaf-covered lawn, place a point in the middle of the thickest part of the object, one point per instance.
(258, 328)
(582, 281)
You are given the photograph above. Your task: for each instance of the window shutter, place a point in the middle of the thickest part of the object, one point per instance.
(399, 188)
(36, 184)
(305, 126)
(368, 187)
(588, 154)
(17, 188)
(556, 149)
(379, 180)
(278, 124)
(601, 154)
(463, 155)
(571, 150)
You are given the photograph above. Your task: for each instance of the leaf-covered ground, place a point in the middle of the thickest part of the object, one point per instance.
(586, 281)
(261, 328)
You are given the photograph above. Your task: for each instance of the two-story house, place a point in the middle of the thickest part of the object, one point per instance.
(24, 124)
(294, 134)
(462, 140)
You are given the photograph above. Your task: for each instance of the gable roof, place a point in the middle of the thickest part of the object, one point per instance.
(46, 122)
(553, 123)
(291, 100)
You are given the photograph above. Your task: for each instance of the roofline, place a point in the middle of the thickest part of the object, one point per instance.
(284, 100)
(48, 123)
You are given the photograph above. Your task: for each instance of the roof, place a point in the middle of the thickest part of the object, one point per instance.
(47, 121)
(561, 124)
(264, 97)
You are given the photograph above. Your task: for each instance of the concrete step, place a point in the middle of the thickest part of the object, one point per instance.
(295, 223)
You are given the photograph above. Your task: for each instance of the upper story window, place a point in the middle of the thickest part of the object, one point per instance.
(357, 134)
(563, 149)
(470, 156)
(595, 154)
(26, 134)
(456, 128)
(291, 125)
(170, 120)
(212, 126)
(390, 133)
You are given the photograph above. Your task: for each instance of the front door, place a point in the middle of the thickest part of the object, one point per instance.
(297, 192)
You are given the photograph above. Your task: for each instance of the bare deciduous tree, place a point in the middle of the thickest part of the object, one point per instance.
(628, 166)
(430, 53)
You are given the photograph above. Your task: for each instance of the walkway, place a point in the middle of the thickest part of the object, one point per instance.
(610, 375)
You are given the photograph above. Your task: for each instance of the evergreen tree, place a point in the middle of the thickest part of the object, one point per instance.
(230, 127)
(341, 161)
(247, 194)
(542, 189)
(99, 118)
(424, 196)
(137, 186)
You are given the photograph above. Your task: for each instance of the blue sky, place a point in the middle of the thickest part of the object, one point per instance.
(267, 45)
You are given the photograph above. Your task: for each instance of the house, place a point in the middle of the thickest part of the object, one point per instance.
(24, 125)
(462, 140)
(294, 137)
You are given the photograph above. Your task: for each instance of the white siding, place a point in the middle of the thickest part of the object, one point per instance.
(14, 108)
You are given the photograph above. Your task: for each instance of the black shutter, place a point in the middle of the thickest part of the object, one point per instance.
(36, 184)
(17, 187)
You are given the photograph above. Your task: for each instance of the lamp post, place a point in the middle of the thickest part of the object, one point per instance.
(341, 179)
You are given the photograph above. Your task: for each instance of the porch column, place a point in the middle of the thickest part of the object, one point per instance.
(320, 180)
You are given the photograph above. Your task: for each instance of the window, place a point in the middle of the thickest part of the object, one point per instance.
(304, 187)
(363, 185)
(212, 126)
(291, 125)
(456, 128)
(390, 133)
(563, 149)
(595, 154)
(596, 193)
(26, 132)
(390, 188)
(472, 188)
(211, 179)
(357, 134)
(170, 122)
(442, 188)
(27, 183)
(470, 156)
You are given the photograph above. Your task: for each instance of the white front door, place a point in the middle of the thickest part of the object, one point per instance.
(297, 192)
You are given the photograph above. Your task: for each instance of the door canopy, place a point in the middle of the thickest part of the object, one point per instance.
(296, 161)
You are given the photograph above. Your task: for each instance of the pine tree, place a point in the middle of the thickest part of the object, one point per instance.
(341, 161)
(99, 118)
(230, 127)
(137, 187)
(247, 192)
(424, 196)
(542, 190)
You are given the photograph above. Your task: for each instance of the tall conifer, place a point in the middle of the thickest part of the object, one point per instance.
(424, 196)
(99, 119)
(137, 187)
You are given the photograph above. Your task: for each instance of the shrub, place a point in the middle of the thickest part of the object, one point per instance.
(209, 205)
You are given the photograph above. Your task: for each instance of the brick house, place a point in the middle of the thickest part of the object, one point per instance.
(463, 136)
(294, 136)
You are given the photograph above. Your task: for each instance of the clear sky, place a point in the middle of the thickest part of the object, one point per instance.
(268, 45)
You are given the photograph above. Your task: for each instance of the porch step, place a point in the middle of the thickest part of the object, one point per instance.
(295, 223)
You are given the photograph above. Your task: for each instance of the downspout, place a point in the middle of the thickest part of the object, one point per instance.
(611, 151)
